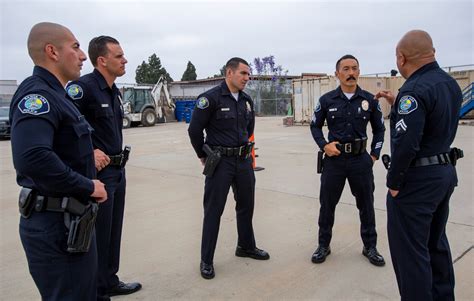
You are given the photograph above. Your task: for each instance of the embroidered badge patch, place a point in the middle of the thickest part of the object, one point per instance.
(34, 104)
(202, 103)
(318, 107)
(407, 105)
(75, 91)
(365, 105)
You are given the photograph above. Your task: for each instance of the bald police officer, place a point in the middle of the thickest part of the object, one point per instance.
(421, 177)
(53, 158)
(226, 114)
(99, 99)
(348, 110)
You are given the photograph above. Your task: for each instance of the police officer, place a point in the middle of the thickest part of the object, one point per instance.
(99, 99)
(421, 177)
(53, 158)
(226, 114)
(348, 110)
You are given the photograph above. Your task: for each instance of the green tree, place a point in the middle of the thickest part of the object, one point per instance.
(149, 73)
(221, 73)
(190, 72)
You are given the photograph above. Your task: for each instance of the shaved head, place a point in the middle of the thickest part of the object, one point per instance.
(42, 34)
(416, 45)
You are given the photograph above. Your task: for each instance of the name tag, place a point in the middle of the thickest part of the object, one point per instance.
(333, 110)
(225, 109)
(105, 105)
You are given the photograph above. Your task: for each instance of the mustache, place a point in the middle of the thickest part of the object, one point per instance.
(351, 77)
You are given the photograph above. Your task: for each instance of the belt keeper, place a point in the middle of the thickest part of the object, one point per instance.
(64, 203)
(39, 203)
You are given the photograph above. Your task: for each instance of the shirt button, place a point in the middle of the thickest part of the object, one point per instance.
(348, 124)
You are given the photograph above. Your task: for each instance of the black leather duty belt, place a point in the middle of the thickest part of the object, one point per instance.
(241, 151)
(439, 159)
(55, 204)
(356, 147)
(116, 160)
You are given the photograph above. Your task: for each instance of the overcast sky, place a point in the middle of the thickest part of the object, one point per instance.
(304, 36)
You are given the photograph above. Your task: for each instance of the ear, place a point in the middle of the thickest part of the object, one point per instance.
(51, 52)
(101, 61)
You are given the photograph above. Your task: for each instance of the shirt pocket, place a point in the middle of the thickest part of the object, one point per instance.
(83, 141)
(225, 119)
(335, 119)
(104, 113)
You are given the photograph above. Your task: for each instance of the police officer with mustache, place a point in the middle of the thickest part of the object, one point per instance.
(348, 110)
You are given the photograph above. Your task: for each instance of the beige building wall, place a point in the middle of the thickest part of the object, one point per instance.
(306, 92)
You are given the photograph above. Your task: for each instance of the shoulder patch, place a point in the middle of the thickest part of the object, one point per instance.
(34, 104)
(75, 91)
(407, 105)
(378, 107)
(202, 103)
(318, 107)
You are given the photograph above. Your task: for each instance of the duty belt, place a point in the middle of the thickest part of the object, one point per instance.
(116, 160)
(356, 147)
(120, 159)
(55, 204)
(439, 159)
(241, 151)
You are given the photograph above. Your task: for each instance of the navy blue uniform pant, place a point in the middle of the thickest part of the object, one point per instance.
(416, 227)
(238, 173)
(59, 275)
(357, 169)
(109, 228)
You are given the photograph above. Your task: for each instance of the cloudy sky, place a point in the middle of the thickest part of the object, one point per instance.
(304, 36)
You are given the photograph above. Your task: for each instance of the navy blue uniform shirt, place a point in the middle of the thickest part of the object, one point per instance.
(423, 120)
(51, 140)
(227, 122)
(102, 107)
(348, 118)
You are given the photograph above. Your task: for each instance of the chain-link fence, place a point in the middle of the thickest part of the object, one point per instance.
(272, 97)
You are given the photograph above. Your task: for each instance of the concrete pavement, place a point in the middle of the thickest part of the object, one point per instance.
(163, 220)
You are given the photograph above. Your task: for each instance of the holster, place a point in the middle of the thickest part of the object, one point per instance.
(26, 202)
(320, 165)
(81, 229)
(125, 154)
(455, 154)
(212, 160)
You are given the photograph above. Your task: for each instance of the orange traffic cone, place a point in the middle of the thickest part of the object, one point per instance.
(254, 162)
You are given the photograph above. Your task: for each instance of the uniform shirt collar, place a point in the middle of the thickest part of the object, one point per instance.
(423, 69)
(225, 88)
(340, 93)
(50, 78)
(102, 82)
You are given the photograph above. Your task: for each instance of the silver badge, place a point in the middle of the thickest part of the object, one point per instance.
(365, 105)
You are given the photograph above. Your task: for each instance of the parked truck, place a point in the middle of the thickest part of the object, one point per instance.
(147, 105)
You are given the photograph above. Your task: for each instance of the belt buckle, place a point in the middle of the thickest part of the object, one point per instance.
(348, 148)
(240, 151)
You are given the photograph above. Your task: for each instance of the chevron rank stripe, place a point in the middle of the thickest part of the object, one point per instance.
(401, 126)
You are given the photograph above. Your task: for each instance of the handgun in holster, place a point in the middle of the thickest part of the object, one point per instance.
(212, 160)
(125, 154)
(320, 165)
(455, 154)
(81, 228)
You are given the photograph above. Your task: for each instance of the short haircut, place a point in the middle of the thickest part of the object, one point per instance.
(98, 47)
(345, 57)
(234, 62)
